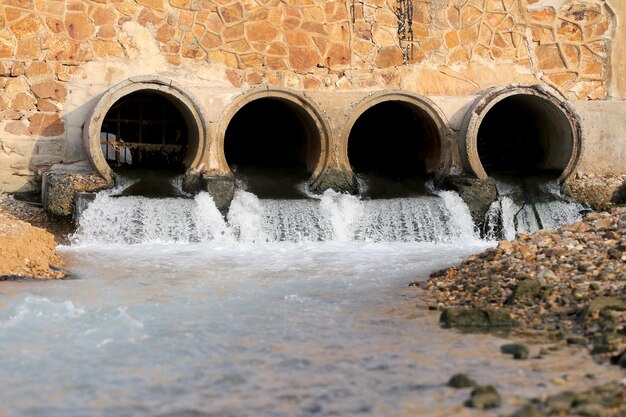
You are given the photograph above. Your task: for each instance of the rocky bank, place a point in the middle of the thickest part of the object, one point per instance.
(27, 251)
(568, 285)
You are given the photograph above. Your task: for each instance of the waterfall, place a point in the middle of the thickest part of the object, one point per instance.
(330, 217)
(528, 207)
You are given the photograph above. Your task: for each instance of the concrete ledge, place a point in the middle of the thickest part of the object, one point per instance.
(59, 190)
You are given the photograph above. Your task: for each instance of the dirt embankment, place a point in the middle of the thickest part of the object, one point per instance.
(27, 251)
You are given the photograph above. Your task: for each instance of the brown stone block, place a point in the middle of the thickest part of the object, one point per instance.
(232, 14)
(275, 63)
(28, 48)
(238, 46)
(46, 105)
(468, 35)
(314, 27)
(390, 56)
(454, 17)
(2, 22)
(197, 30)
(105, 49)
(16, 128)
(252, 60)
(312, 83)
(106, 33)
(593, 67)
(233, 78)
(148, 17)
(5, 69)
(55, 25)
(50, 89)
(460, 54)
(79, 26)
(3, 104)
(470, 15)
(298, 39)
(430, 45)
(30, 25)
(22, 4)
(211, 21)
(277, 48)
(560, 79)
(290, 23)
(421, 12)
(321, 42)
(315, 14)
(54, 8)
(547, 14)
(257, 14)
(570, 31)
(75, 6)
(13, 14)
(173, 59)
(293, 11)
(172, 47)
(16, 85)
(234, 32)
(548, 57)
(572, 55)
(18, 68)
(22, 102)
(261, 31)
(190, 48)
(303, 59)
(127, 8)
(254, 78)
(185, 19)
(180, 4)
(227, 58)
(46, 124)
(210, 40)
(362, 48)
(581, 11)
(152, 4)
(339, 33)
(104, 16)
(338, 55)
(451, 39)
(363, 31)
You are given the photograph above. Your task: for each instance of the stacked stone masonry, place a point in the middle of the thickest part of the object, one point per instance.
(58, 57)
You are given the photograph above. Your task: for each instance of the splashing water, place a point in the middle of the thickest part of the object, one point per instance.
(332, 217)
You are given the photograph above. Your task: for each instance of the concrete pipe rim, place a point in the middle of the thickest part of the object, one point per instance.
(188, 106)
(301, 104)
(422, 103)
(488, 99)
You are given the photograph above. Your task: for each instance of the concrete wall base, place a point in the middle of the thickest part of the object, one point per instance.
(336, 178)
(477, 194)
(59, 190)
(221, 188)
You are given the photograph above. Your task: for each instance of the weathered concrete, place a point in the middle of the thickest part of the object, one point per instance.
(60, 189)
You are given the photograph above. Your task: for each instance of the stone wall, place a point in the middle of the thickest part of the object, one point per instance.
(57, 57)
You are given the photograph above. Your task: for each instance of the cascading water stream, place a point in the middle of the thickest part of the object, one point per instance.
(332, 217)
(524, 208)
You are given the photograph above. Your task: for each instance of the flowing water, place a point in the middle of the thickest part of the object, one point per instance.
(284, 308)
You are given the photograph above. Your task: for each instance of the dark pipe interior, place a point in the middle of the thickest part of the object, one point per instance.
(273, 146)
(393, 146)
(525, 135)
(145, 130)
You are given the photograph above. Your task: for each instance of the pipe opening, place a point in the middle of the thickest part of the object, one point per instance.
(150, 138)
(525, 135)
(272, 146)
(393, 147)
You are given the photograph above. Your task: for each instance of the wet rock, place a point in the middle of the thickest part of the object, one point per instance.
(607, 303)
(529, 411)
(476, 317)
(461, 381)
(484, 397)
(518, 350)
(561, 403)
(525, 292)
(477, 194)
